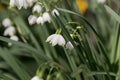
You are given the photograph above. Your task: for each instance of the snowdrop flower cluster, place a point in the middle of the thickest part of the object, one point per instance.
(10, 30)
(55, 39)
(36, 78)
(21, 3)
(32, 19)
(44, 16)
(101, 1)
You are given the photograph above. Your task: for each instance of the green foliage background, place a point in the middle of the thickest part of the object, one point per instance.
(96, 43)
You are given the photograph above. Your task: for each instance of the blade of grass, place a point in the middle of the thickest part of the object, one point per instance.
(38, 53)
(11, 60)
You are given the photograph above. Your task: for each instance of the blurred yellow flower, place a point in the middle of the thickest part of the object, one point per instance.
(1, 7)
(82, 5)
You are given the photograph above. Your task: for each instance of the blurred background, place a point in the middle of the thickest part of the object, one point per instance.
(92, 26)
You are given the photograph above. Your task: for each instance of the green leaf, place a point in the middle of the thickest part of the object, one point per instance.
(112, 13)
(11, 60)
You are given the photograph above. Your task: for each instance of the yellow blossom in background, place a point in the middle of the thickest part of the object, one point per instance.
(1, 7)
(82, 5)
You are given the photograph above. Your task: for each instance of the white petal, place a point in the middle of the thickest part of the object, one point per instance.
(32, 19)
(61, 41)
(12, 3)
(30, 2)
(19, 3)
(40, 20)
(6, 22)
(25, 4)
(55, 40)
(46, 17)
(10, 44)
(69, 45)
(50, 37)
(101, 1)
(9, 31)
(36, 78)
(15, 38)
(37, 8)
(55, 12)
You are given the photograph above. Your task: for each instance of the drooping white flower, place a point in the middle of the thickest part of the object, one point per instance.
(32, 19)
(101, 1)
(40, 20)
(46, 17)
(37, 8)
(36, 78)
(12, 3)
(6, 22)
(55, 39)
(21, 3)
(30, 2)
(15, 38)
(55, 12)
(69, 45)
(25, 4)
(9, 31)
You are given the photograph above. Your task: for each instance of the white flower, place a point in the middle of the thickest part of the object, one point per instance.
(69, 45)
(12, 3)
(36, 78)
(46, 17)
(101, 1)
(56, 39)
(6, 22)
(40, 20)
(9, 31)
(32, 19)
(55, 12)
(25, 4)
(15, 38)
(30, 2)
(37, 8)
(21, 3)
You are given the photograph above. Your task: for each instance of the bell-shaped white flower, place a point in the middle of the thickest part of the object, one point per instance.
(101, 1)
(12, 3)
(40, 20)
(32, 19)
(46, 17)
(55, 39)
(69, 45)
(36, 78)
(9, 31)
(25, 4)
(15, 38)
(6, 22)
(37, 8)
(55, 12)
(30, 2)
(21, 3)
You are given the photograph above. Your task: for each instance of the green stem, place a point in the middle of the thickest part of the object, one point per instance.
(72, 64)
